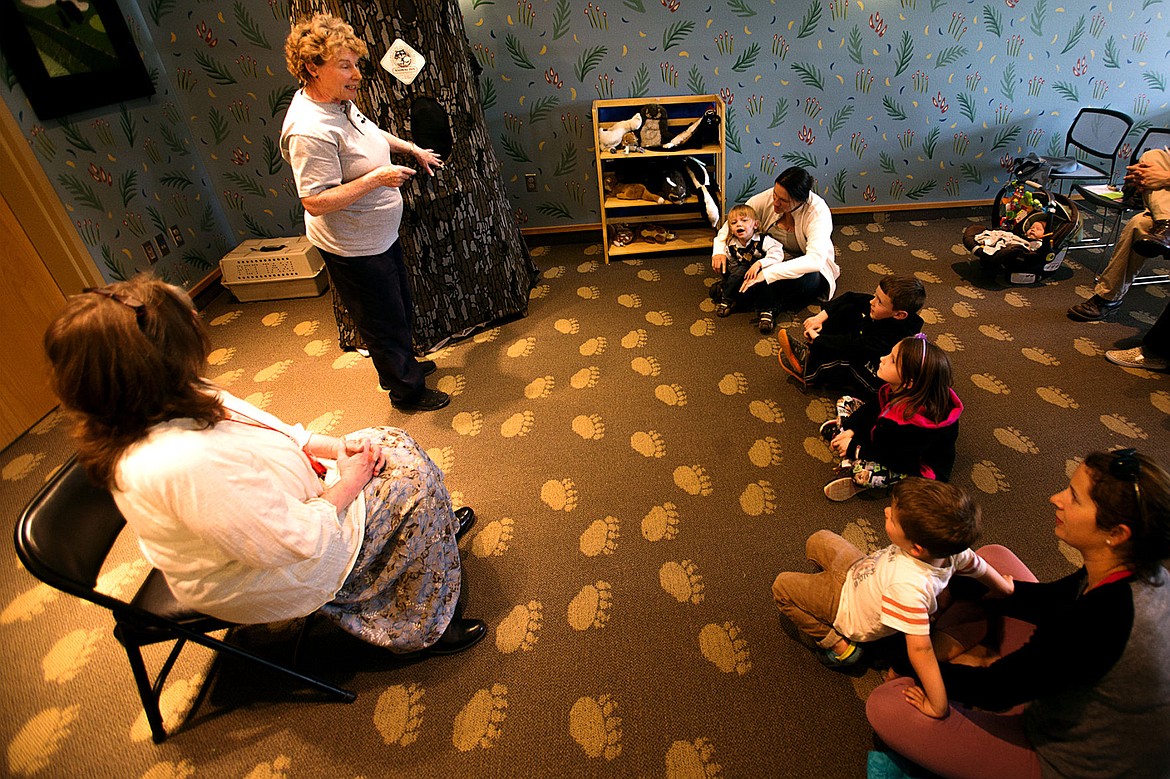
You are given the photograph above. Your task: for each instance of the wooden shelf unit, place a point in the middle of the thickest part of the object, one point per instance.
(688, 219)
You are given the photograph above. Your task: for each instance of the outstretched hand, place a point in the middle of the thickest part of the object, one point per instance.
(916, 697)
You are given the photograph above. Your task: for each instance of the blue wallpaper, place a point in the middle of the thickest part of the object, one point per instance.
(891, 102)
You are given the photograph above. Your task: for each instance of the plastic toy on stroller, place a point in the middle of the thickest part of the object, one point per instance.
(1032, 228)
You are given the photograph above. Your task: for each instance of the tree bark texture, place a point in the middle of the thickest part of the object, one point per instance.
(468, 263)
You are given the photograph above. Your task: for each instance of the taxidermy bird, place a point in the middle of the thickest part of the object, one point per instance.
(609, 138)
(701, 179)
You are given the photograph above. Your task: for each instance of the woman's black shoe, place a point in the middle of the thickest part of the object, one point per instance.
(427, 400)
(460, 634)
(466, 517)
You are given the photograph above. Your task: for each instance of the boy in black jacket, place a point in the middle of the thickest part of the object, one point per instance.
(851, 334)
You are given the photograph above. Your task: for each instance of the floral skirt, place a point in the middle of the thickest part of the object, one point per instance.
(404, 587)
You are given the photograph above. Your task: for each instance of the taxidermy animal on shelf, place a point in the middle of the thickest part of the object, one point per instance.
(701, 182)
(624, 191)
(609, 138)
(702, 131)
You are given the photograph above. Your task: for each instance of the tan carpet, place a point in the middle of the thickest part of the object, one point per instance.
(641, 470)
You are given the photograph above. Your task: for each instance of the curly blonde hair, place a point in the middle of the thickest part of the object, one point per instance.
(317, 40)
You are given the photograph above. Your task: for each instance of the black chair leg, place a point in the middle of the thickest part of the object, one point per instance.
(158, 732)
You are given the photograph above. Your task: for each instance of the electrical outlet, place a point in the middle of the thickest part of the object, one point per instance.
(530, 182)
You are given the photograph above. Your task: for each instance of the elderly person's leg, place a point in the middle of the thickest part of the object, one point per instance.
(403, 591)
(966, 744)
(1145, 235)
(1155, 240)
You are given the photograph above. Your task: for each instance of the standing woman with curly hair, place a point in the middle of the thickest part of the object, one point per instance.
(353, 209)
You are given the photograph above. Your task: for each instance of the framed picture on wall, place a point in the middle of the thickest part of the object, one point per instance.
(71, 55)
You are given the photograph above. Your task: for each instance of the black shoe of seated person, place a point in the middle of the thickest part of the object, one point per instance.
(460, 634)
(466, 517)
(1094, 309)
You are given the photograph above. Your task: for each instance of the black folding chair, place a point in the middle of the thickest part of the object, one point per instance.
(63, 537)
(1098, 132)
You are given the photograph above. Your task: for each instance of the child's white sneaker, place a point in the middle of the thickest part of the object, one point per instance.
(843, 488)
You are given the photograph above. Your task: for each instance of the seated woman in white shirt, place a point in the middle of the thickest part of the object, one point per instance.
(233, 505)
(800, 220)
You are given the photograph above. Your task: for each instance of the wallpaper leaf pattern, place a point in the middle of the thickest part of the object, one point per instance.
(886, 104)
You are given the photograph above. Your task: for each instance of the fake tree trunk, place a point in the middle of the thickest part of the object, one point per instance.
(467, 261)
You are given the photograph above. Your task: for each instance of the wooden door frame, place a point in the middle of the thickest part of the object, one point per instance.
(41, 213)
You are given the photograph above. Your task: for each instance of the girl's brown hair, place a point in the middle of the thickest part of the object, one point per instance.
(316, 41)
(124, 358)
(926, 379)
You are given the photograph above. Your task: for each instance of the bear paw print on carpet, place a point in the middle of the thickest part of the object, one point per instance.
(695, 268)
(646, 366)
(963, 310)
(893, 240)
(630, 300)
(767, 347)
(931, 316)
(671, 394)
(1087, 347)
(443, 457)
(924, 254)
(585, 378)
(19, 467)
(31, 603)
(398, 714)
(995, 332)
(692, 760)
(593, 347)
(522, 347)
(590, 607)
(589, 426)
(635, 339)
(480, 722)
(326, 423)
(518, 425)
(725, 647)
(316, 348)
(649, 274)
(595, 726)
(346, 360)
(493, 539)
(555, 272)
(69, 655)
(468, 423)
(660, 523)
(648, 443)
(228, 378)
(858, 246)
(221, 356)
(176, 701)
(764, 452)
(818, 449)
(1057, 397)
(1016, 299)
(988, 382)
(767, 411)
(520, 630)
(681, 581)
(600, 537)
(693, 480)
(227, 318)
(487, 336)
(567, 326)
(987, 476)
(452, 384)
(539, 291)
(733, 384)
(588, 293)
(703, 327)
(1041, 356)
(540, 387)
(1161, 401)
(308, 327)
(659, 318)
(926, 277)
(970, 292)
(1122, 426)
(1015, 439)
(275, 319)
(948, 342)
(588, 267)
(559, 494)
(758, 498)
(862, 535)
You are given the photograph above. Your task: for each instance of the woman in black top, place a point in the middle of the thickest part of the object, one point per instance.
(1079, 684)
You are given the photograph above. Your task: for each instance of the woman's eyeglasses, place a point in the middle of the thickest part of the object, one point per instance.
(1126, 466)
(133, 303)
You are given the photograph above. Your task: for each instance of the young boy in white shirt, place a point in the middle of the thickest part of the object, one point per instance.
(858, 598)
